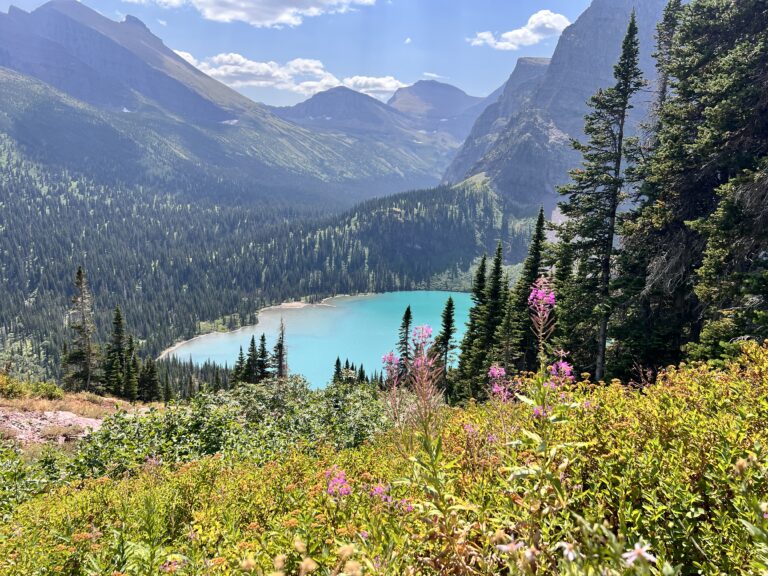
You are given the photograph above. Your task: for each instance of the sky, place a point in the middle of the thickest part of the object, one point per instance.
(280, 52)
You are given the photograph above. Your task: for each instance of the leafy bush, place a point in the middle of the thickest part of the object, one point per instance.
(552, 476)
(254, 422)
(11, 388)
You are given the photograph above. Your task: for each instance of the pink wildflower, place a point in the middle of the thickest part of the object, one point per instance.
(496, 372)
(422, 334)
(501, 391)
(337, 482)
(562, 369)
(639, 552)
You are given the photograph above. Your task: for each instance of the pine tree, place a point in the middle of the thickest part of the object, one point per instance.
(337, 370)
(167, 392)
(149, 384)
(516, 345)
(490, 317)
(596, 190)
(472, 334)
(444, 344)
(238, 372)
(250, 371)
(81, 361)
(403, 346)
(279, 354)
(114, 365)
(262, 362)
(131, 375)
(709, 148)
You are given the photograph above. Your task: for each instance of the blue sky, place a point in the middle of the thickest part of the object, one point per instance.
(282, 51)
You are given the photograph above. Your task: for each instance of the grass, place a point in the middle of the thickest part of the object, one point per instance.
(83, 404)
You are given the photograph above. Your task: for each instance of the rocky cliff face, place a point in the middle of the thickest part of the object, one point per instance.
(514, 95)
(531, 156)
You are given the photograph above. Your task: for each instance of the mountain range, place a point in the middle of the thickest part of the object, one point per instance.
(109, 99)
(522, 144)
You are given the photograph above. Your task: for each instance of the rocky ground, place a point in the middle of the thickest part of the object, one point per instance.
(33, 427)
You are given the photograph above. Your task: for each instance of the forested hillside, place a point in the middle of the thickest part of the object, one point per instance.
(172, 264)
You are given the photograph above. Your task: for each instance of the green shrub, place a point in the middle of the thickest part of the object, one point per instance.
(11, 388)
(558, 477)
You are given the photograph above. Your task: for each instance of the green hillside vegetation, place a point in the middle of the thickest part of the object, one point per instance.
(574, 478)
(172, 264)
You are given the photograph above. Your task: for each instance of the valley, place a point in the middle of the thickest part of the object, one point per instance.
(383, 288)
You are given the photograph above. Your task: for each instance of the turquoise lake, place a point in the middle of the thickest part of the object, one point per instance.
(361, 328)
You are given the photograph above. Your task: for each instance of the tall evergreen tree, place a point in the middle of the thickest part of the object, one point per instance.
(167, 392)
(81, 361)
(337, 370)
(262, 361)
(709, 148)
(516, 345)
(131, 374)
(403, 345)
(473, 332)
(444, 343)
(114, 365)
(490, 317)
(597, 189)
(149, 383)
(238, 372)
(250, 371)
(280, 354)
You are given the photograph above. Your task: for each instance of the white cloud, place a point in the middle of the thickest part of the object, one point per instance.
(541, 25)
(262, 13)
(434, 76)
(162, 22)
(304, 76)
(408, 40)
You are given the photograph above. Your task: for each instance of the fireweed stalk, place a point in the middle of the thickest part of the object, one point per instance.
(541, 479)
(421, 411)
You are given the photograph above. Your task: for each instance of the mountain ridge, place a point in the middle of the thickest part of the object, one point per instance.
(531, 157)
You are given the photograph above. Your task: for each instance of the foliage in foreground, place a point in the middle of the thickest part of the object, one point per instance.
(551, 476)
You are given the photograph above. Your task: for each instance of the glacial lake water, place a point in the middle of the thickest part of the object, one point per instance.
(361, 328)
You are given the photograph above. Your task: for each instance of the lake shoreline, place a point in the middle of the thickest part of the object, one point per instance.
(290, 305)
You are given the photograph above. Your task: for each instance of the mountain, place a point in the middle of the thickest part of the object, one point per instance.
(439, 107)
(355, 115)
(506, 102)
(120, 105)
(531, 156)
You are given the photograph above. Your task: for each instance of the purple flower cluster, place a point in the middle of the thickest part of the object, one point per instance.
(422, 335)
(496, 372)
(470, 429)
(337, 482)
(562, 369)
(499, 386)
(541, 296)
(381, 492)
(541, 411)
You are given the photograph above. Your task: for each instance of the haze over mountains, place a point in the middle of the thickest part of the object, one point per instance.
(78, 86)
(541, 110)
(110, 100)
